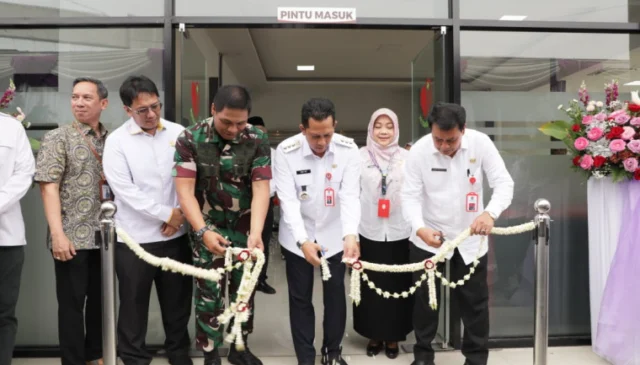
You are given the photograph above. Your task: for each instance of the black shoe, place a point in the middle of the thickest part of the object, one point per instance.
(391, 352)
(332, 357)
(373, 348)
(242, 357)
(212, 358)
(422, 362)
(265, 288)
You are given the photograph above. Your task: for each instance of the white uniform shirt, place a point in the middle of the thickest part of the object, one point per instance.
(138, 168)
(395, 227)
(17, 167)
(435, 189)
(272, 182)
(297, 168)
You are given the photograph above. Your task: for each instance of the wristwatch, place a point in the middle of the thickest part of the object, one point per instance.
(300, 243)
(201, 232)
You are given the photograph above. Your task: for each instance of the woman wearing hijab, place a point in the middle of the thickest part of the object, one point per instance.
(384, 237)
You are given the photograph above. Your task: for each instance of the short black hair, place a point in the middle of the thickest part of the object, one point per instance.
(103, 93)
(256, 121)
(134, 86)
(447, 116)
(232, 97)
(318, 109)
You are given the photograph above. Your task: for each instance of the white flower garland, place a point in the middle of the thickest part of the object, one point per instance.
(238, 309)
(429, 265)
(324, 267)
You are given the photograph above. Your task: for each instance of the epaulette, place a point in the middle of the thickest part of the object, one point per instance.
(294, 145)
(344, 141)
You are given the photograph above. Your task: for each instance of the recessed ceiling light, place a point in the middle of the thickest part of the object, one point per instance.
(513, 17)
(632, 83)
(306, 68)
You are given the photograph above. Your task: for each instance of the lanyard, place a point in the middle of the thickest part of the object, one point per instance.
(384, 184)
(92, 148)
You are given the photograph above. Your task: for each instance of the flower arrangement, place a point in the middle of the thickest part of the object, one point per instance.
(603, 138)
(6, 100)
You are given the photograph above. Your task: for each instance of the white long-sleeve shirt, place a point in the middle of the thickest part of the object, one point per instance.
(17, 167)
(297, 168)
(138, 168)
(395, 227)
(436, 186)
(272, 182)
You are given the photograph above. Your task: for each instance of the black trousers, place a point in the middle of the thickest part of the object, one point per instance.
(473, 301)
(11, 261)
(300, 275)
(267, 231)
(135, 278)
(79, 292)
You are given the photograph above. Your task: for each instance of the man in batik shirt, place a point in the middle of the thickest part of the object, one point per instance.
(222, 170)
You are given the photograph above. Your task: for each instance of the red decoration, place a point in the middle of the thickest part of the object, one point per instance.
(242, 306)
(244, 255)
(472, 180)
(357, 265)
(329, 176)
(429, 265)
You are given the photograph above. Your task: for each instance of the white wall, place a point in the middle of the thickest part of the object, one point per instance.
(280, 105)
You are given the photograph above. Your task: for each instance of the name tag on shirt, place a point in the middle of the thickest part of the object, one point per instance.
(384, 208)
(303, 172)
(472, 202)
(438, 169)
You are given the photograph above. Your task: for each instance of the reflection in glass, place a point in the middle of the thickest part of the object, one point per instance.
(79, 8)
(565, 10)
(512, 83)
(43, 64)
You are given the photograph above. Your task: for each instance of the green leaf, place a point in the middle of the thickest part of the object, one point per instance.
(35, 144)
(558, 129)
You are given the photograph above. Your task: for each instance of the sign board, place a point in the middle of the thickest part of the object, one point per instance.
(317, 15)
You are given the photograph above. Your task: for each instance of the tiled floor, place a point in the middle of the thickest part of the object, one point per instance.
(557, 356)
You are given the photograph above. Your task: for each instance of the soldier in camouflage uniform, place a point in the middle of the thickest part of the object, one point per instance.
(222, 170)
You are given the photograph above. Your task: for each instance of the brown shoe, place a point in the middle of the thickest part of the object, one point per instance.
(95, 362)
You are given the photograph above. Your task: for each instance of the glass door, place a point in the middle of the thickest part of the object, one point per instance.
(194, 81)
(429, 84)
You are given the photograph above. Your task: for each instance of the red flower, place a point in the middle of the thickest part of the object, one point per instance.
(598, 161)
(576, 161)
(636, 175)
(615, 132)
(634, 108)
(576, 128)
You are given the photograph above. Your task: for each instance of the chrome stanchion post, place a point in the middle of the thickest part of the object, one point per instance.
(541, 310)
(107, 248)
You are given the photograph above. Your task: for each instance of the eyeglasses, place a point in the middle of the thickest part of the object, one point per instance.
(141, 111)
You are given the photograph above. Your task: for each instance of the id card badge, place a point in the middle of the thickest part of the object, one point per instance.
(383, 208)
(105, 191)
(472, 202)
(329, 197)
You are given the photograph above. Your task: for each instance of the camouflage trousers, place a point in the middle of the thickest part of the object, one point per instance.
(210, 296)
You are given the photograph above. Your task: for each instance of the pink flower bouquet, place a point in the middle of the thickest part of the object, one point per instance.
(603, 138)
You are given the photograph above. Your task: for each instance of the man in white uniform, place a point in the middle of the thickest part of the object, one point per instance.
(138, 161)
(17, 167)
(318, 183)
(442, 196)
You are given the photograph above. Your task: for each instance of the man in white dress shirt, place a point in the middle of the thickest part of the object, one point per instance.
(17, 167)
(263, 286)
(442, 195)
(318, 183)
(138, 160)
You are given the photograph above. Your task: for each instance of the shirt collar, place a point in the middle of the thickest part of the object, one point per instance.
(86, 129)
(464, 144)
(134, 128)
(306, 149)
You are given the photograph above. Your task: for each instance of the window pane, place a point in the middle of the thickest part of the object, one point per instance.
(79, 8)
(565, 10)
(269, 8)
(512, 83)
(43, 64)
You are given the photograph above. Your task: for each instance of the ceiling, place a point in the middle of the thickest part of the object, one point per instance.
(259, 56)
